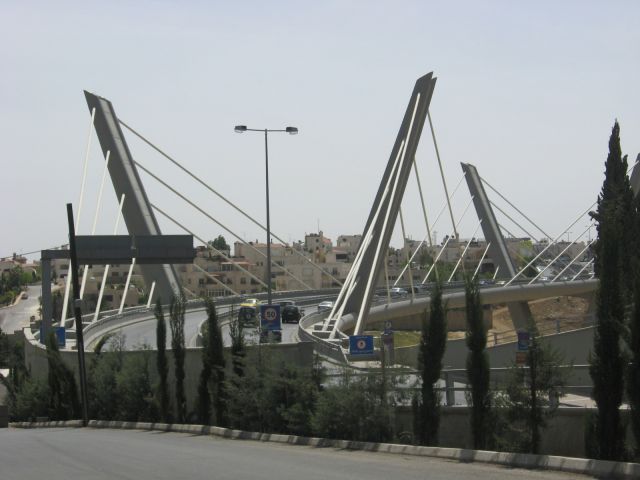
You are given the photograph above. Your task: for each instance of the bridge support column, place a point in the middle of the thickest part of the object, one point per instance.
(520, 312)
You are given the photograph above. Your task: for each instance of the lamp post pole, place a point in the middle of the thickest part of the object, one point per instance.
(266, 166)
(291, 131)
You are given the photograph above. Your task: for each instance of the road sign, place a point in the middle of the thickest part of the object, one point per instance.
(523, 341)
(61, 336)
(270, 318)
(361, 345)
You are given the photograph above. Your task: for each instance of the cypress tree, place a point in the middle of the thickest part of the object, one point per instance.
(612, 269)
(478, 373)
(176, 322)
(63, 392)
(161, 364)
(432, 346)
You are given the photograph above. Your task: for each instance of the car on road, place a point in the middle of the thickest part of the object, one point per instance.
(291, 313)
(24, 295)
(248, 316)
(397, 292)
(250, 302)
(324, 306)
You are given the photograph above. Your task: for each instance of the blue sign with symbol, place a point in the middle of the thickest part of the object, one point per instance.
(361, 345)
(270, 318)
(61, 336)
(523, 341)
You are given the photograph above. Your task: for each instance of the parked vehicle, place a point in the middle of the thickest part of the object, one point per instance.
(24, 295)
(248, 316)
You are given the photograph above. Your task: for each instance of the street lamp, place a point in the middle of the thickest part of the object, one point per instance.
(291, 131)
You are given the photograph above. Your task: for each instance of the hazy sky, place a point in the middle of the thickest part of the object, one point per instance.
(526, 91)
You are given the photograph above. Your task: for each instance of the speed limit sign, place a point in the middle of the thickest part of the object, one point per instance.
(270, 317)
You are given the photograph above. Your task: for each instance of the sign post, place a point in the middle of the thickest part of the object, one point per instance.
(270, 321)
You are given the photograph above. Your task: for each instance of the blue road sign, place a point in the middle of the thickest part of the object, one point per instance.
(270, 318)
(61, 336)
(361, 345)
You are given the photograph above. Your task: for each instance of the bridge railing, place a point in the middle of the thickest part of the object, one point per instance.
(545, 327)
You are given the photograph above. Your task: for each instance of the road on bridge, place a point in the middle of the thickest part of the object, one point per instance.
(92, 454)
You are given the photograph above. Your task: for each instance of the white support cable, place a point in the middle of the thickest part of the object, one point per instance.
(583, 269)
(233, 292)
(422, 202)
(67, 287)
(126, 286)
(516, 223)
(433, 265)
(247, 244)
(209, 247)
(223, 198)
(433, 225)
(549, 245)
(95, 220)
(558, 256)
(446, 242)
(386, 218)
(153, 287)
(495, 272)
(464, 252)
(349, 285)
(515, 208)
(509, 248)
(386, 277)
(480, 262)
(106, 267)
(444, 183)
(413, 296)
(573, 260)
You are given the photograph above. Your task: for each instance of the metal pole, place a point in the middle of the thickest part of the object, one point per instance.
(78, 316)
(266, 163)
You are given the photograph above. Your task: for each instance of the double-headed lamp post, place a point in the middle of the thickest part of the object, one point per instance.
(291, 131)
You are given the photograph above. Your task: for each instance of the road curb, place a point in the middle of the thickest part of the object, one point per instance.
(597, 468)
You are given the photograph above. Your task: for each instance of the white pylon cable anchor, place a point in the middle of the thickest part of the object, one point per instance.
(549, 245)
(379, 246)
(247, 244)
(558, 256)
(67, 287)
(223, 198)
(444, 206)
(106, 267)
(351, 280)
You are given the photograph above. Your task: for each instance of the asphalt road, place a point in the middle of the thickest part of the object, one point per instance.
(144, 332)
(88, 454)
(17, 317)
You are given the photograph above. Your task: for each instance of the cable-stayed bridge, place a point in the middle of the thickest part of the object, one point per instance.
(362, 295)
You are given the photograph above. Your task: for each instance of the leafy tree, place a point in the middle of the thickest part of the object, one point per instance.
(531, 397)
(101, 379)
(356, 408)
(63, 392)
(212, 375)
(133, 389)
(162, 365)
(176, 322)
(611, 267)
(238, 347)
(478, 372)
(220, 244)
(431, 350)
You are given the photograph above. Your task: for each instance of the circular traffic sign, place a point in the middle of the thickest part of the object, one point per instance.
(361, 344)
(270, 314)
